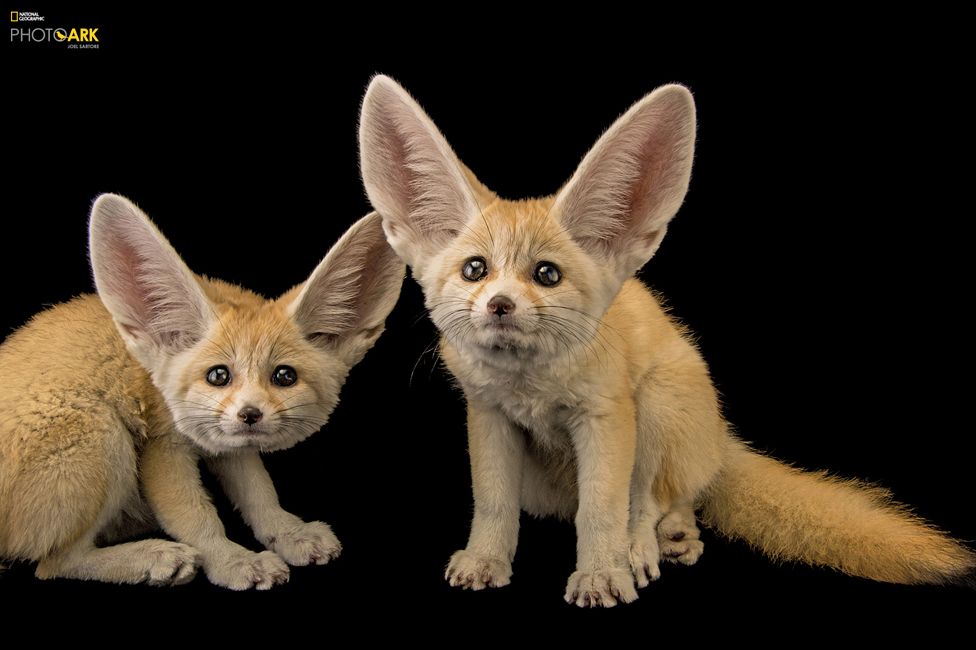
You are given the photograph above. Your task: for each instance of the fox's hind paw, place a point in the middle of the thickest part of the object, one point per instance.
(678, 539)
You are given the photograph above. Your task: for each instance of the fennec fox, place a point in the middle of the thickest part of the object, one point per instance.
(585, 399)
(109, 401)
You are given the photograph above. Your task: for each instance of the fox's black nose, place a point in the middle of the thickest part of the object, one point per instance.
(250, 415)
(501, 305)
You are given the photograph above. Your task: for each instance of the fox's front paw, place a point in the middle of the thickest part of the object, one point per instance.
(307, 543)
(243, 569)
(600, 588)
(644, 558)
(470, 570)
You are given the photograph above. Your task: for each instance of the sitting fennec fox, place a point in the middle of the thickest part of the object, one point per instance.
(585, 399)
(109, 404)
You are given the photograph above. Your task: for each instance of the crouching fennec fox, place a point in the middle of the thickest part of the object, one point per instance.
(585, 399)
(106, 406)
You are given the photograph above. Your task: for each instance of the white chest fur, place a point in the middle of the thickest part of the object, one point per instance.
(543, 398)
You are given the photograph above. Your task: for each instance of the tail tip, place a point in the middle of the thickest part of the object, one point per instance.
(966, 579)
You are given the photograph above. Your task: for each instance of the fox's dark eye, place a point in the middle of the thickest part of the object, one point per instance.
(474, 269)
(218, 376)
(284, 376)
(547, 274)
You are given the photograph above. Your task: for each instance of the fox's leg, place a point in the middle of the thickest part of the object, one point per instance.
(496, 448)
(70, 484)
(605, 448)
(158, 562)
(678, 534)
(645, 514)
(171, 482)
(247, 483)
(645, 509)
(680, 447)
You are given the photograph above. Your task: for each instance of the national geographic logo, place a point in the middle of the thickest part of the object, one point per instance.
(72, 38)
(26, 17)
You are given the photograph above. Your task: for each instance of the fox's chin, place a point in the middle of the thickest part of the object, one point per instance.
(243, 438)
(506, 341)
(513, 347)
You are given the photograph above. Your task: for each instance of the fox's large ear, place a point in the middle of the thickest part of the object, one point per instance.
(412, 176)
(631, 183)
(156, 301)
(344, 303)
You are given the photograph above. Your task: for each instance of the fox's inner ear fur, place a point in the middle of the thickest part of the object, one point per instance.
(156, 301)
(344, 303)
(411, 174)
(631, 183)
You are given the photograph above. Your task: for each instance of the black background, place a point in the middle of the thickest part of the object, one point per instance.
(819, 257)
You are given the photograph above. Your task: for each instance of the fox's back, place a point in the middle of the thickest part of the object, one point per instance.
(67, 359)
(71, 344)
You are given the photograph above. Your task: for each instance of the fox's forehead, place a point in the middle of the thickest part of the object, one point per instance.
(514, 231)
(249, 335)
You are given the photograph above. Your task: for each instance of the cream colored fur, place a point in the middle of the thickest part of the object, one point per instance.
(585, 399)
(106, 410)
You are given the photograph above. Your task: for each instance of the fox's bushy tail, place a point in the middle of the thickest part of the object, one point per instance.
(811, 517)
